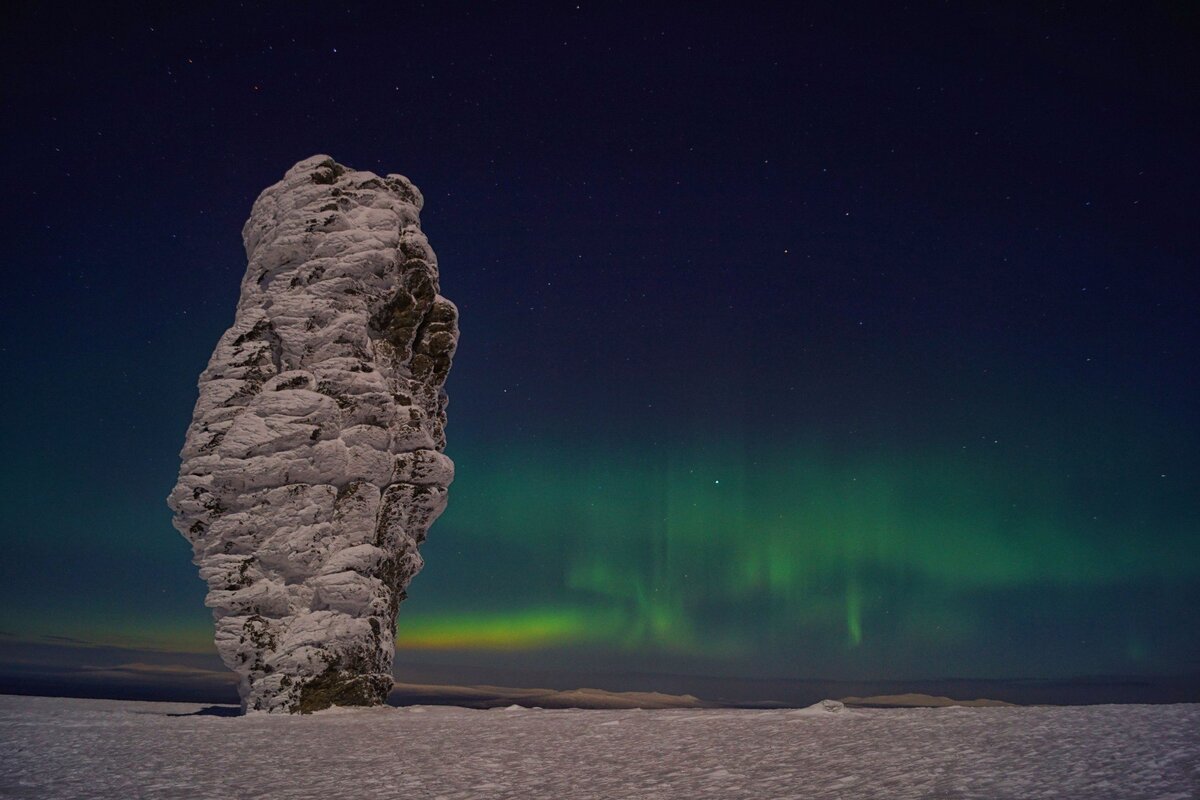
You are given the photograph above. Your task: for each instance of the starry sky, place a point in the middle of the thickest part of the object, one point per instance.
(851, 340)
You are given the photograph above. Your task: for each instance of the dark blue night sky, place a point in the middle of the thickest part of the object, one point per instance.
(854, 341)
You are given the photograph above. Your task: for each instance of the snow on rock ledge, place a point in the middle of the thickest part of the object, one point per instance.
(313, 465)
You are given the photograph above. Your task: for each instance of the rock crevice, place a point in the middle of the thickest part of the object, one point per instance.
(313, 465)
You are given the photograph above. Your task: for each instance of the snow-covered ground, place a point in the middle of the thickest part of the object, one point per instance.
(59, 748)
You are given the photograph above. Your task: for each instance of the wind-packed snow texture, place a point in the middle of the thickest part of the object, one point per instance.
(313, 465)
(62, 748)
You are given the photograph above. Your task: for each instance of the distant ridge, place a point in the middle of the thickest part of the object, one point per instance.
(503, 696)
(913, 700)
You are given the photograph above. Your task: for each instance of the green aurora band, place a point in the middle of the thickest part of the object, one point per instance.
(727, 556)
(796, 561)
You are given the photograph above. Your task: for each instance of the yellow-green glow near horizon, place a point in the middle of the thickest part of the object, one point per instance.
(514, 630)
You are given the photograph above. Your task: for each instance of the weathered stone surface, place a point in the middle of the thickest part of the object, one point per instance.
(313, 465)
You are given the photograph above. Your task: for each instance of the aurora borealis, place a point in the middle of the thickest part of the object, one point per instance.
(722, 556)
(792, 347)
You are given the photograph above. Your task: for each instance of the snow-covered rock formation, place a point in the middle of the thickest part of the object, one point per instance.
(313, 465)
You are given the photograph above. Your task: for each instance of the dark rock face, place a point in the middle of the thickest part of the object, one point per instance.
(313, 464)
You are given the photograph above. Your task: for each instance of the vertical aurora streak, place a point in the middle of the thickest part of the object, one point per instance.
(853, 612)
